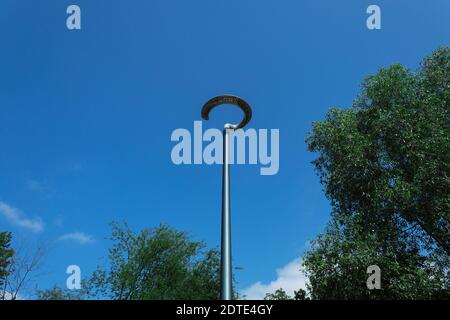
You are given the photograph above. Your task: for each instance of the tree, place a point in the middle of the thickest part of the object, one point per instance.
(301, 294)
(26, 262)
(58, 293)
(338, 261)
(385, 166)
(159, 263)
(279, 294)
(6, 254)
(18, 266)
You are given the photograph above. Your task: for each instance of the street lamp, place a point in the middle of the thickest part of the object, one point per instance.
(225, 249)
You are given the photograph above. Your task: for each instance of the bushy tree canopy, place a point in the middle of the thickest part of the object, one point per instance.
(6, 256)
(158, 263)
(385, 166)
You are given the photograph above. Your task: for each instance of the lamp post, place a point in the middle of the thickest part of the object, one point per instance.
(225, 248)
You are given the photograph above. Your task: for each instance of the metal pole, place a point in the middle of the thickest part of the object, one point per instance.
(225, 256)
(226, 278)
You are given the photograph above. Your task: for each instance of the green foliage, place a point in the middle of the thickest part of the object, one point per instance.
(385, 166)
(338, 261)
(279, 294)
(301, 295)
(57, 293)
(159, 263)
(6, 257)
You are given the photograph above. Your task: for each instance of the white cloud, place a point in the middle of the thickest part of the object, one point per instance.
(79, 237)
(8, 296)
(290, 278)
(16, 217)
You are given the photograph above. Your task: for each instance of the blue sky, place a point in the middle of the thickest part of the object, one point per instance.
(86, 115)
